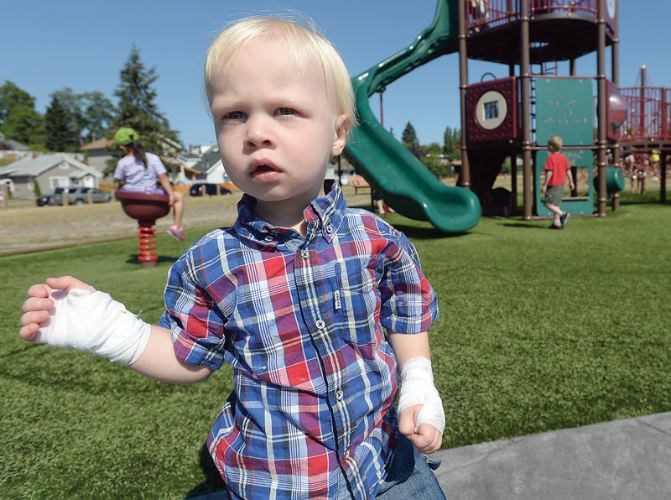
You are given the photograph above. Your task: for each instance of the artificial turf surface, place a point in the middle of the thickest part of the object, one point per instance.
(539, 330)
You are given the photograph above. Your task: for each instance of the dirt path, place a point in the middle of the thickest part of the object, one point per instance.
(36, 228)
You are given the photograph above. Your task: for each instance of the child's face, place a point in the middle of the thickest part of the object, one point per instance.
(276, 126)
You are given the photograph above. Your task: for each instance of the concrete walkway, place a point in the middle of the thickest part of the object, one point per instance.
(625, 459)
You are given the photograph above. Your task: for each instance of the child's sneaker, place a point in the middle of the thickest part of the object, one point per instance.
(176, 233)
(564, 218)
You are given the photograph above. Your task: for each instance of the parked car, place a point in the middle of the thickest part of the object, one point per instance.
(76, 196)
(48, 199)
(206, 188)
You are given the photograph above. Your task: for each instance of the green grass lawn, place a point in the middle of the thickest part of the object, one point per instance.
(539, 330)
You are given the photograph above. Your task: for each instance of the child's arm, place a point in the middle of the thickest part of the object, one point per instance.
(571, 184)
(165, 184)
(91, 321)
(421, 414)
(548, 176)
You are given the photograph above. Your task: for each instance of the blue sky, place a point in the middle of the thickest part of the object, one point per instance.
(48, 45)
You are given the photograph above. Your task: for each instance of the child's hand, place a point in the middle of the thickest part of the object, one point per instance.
(66, 312)
(421, 414)
(426, 438)
(37, 308)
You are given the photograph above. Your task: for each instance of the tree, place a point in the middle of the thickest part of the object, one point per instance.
(137, 107)
(18, 119)
(98, 114)
(409, 139)
(70, 104)
(452, 143)
(24, 124)
(12, 96)
(91, 113)
(59, 127)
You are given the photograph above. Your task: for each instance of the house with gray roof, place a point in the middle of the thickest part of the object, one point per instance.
(49, 172)
(99, 153)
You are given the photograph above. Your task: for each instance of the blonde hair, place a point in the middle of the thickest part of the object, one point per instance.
(555, 142)
(303, 42)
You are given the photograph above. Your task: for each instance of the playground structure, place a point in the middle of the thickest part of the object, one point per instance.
(405, 184)
(514, 116)
(146, 208)
(509, 117)
(648, 125)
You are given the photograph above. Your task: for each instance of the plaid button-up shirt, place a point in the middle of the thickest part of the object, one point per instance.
(302, 320)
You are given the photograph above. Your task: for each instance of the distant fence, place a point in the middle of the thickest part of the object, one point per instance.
(648, 113)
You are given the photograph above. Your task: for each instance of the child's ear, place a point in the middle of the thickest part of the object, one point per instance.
(342, 128)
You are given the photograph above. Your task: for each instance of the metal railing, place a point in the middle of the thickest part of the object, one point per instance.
(648, 113)
(491, 13)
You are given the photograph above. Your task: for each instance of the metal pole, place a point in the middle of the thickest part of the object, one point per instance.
(526, 109)
(603, 102)
(662, 178)
(463, 88)
(641, 105)
(615, 78)
(513, 159)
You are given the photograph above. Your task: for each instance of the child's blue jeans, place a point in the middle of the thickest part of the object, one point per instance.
(410, 477)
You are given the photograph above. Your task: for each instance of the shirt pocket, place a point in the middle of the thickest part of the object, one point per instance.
(356, 303)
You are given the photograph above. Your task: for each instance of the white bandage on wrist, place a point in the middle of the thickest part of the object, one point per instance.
(92, 321)
(417, 389)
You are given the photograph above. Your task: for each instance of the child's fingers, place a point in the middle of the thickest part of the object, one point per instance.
(427, 439)
(66, 283)
(34, 317)
(407, 419)
(37, 304)
(421, 442)
(29, 331)
(35, 310)
(39, 290)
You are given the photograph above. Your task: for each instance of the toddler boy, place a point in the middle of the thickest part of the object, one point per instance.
(315, 305)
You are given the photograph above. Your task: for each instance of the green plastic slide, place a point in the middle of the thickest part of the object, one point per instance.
(404, 182)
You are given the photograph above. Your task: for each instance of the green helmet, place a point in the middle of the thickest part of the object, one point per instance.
(125, 135)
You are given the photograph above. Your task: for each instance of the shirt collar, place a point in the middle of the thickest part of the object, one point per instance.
(323, 217)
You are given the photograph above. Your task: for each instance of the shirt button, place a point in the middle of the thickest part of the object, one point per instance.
(305, 253)
(339, 394)
(320, 324)
(328, 228)
(346, 454)
(268, 237)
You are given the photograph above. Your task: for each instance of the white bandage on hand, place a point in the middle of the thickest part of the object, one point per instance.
(417, 389)
(92, 321)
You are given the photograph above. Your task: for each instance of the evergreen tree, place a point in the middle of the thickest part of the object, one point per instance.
(71, 105)
(452, 143)
(137, 102)
(59, 125)
(410, 140)
(448, 145)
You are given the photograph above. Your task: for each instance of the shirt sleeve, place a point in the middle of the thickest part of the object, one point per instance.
(120, 171)
(549, 164)
(196, 323)
(409, 303)
(158, 166)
